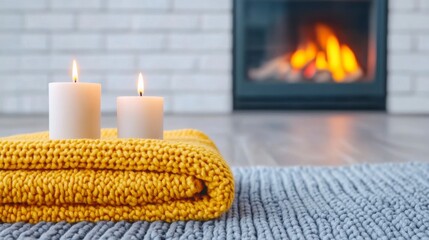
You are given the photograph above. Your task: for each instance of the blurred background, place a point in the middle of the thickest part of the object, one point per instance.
(208, 58)
(182, 47)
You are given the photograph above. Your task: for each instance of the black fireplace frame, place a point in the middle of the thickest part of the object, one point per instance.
(301, 96)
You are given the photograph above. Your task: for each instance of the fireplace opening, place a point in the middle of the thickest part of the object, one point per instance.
(319, 57)
(310, 54)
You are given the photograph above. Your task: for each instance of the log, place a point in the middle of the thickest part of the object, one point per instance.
(322, 76)
(294, 76)
(267, 70)
(353, 77)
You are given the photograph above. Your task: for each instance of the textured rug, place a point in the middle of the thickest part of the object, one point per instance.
(389, 201)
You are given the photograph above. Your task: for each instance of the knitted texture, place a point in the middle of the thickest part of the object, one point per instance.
(387, 201)
(180, 178)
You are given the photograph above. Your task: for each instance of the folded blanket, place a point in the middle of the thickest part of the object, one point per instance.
(182, 177)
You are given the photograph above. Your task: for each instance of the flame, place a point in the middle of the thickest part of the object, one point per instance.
(350, 63)
(298, 59)
(303, 56)
(334, 58)
(75, 75)
(140, 85)
(310, 70)
(310, 51)
(321, 61)
(323, 32)
(328, 54)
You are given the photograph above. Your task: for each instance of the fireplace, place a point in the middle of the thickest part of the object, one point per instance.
(310, 54)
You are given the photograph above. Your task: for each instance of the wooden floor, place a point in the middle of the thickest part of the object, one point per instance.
(291, 138)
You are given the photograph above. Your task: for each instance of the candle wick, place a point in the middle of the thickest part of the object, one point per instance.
(141, 94)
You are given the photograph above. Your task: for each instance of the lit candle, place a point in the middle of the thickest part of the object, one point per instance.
(140, 116)
(74, 109)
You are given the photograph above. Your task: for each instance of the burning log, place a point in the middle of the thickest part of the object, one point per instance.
(309, 70)
(354, 76)
(271, 69)
(323, 59)
(284, 69)
(293, 76)
(322, 76)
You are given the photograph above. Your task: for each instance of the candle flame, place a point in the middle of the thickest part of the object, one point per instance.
(75, 76)
(140, 85)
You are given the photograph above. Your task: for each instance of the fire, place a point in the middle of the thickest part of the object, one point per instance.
(334, 58)
(140, 85)
(75, 75)
(350, 63)
(298, 59)
(321, 62)
(328, 55)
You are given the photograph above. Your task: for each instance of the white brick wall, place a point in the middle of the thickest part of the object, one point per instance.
(400, 83)
(10, 21)
(167, 21)
(76, 41)
(49, 21)
(75, 4)
(183, 48)
(408, 57)
(17, 5)
(139, 4)
(13, 42)
(148, 41)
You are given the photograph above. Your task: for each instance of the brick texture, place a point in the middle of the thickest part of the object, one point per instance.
(104, 21)
(17, 5)
(183, 47)
(139, 4)
(76, 4)
(422, 84)
(167, 21)
(10, 21)
(400, 42)
(408, 57)
(403, 5)
(136, 41)
(13, 42)
(408, 103)
(73, 41)
(400, 83)
(49, 21)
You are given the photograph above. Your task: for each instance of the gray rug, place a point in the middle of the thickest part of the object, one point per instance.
(360, 202)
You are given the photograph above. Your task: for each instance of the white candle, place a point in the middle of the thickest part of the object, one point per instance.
(74, 109)
(140, 116)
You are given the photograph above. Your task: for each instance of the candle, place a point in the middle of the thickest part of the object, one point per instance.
(74, 109)
(140, 116)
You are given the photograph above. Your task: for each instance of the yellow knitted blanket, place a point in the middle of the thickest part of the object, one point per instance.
(182, 177)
